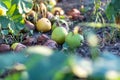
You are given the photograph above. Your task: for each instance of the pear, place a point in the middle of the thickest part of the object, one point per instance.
(74, 40)
(59, 35)
(43, 25)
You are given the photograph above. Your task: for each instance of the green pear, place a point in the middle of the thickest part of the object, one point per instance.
(74, 40)
(59, 35)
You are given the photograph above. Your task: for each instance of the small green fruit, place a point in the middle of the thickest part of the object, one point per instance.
(74, 40)
(59, 35)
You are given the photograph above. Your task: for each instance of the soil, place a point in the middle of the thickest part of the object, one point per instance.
(111, 45)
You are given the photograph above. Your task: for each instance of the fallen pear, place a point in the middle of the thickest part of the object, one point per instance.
(59, 35)
(43, 25)
(74, 40)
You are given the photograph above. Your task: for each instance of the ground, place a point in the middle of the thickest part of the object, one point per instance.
(112, 46)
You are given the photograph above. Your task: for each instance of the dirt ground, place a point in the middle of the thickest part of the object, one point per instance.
(111, 46)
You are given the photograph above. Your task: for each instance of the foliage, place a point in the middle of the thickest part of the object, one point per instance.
(113, 9)
(13, 21)
(98, 11)
(37, 63)
(58, 66)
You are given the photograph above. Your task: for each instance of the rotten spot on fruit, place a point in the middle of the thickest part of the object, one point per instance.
(57, 10)
(29, 25)
(50, 15)
(43, 10)
(42, 39)
(31, 16)
(75, 14)
(51, 44)
(60, 23)
(29, 41)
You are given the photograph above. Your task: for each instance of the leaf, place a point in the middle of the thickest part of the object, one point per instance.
(3, 5)
(12, 10)
(10, 58)
(7, 3)
(16, 27)
(24, 6)
(47, 67)
(113, 9)
(4, 32)
(4, 21)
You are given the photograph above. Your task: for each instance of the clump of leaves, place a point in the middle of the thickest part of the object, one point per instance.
(13, 21)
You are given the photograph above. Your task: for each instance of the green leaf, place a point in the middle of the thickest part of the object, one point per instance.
(4, 32)
(4, 21)
(113, 9)
(7, 3)
(49, 66)
(16, 27)
(3, 5)
(24, 6)
(12, 10)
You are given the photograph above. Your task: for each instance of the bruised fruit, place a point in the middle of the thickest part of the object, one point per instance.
(75, 14)
(57, 11)
(60, 23)
(29, 25)
(43, 25)
(4, 48)
(51, 44)
(74, 40)
(30, 16)
(59, 35)
(43, 9)
(50, 15)
(17, 46)
(29, 41)
(42, 39)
